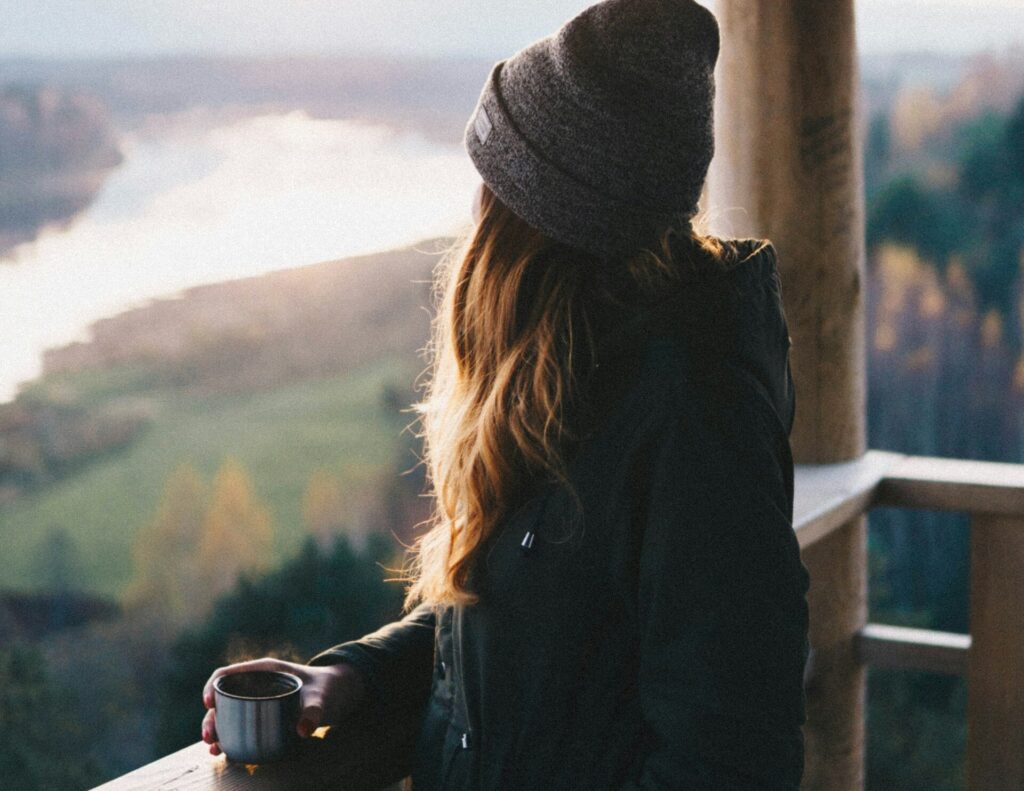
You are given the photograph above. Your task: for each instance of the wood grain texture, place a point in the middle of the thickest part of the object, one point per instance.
(787, 167)
(900, 647)
(943, 484)
(995, 679)
(194, 769)
(363, 754)
(826, 496)
(836, 678)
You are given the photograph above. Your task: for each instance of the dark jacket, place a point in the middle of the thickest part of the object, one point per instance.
(661, 643)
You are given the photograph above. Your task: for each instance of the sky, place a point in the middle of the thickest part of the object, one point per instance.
(487, 28)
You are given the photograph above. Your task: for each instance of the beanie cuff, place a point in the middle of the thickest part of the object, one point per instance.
(545, 196)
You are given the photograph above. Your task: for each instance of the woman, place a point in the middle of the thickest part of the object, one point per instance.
(611, 594)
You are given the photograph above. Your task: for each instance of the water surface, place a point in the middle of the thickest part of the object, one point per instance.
(196, 203)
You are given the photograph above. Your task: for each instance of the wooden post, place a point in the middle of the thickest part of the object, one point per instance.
(788, 167)
(995, 675)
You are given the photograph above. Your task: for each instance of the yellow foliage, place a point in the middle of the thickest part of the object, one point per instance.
(921, 357)
(237, 531)
(991, 328)
(916, 115)
(933, 301)
(900, 269)
(885, 337)
(1018, 375)
(164, 551)
(323, 505)
(909, 286)
(957, 281)
(906, 278)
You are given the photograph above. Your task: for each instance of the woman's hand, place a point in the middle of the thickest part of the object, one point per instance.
(328, 693)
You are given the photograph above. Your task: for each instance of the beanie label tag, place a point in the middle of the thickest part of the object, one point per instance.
(482, 124)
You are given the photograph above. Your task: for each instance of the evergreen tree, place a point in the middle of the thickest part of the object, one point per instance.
(58, 566)
(42, 748)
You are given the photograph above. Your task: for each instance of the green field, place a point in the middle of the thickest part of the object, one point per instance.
(280, 436)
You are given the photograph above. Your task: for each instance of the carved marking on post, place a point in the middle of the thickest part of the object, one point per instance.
(827, 157)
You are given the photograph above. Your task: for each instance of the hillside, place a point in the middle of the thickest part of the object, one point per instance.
(292, 373)
(257, 332)
(57, 148)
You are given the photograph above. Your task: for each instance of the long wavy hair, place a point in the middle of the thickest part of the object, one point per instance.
(518, 317)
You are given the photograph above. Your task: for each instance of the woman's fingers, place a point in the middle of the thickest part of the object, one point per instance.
(312, 716)
(311, 719)
(210, 731)
(210, 727)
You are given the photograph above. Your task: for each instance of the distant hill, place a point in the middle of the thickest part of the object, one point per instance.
(253, 334)
(432, 96)
(311, 321)
(57, 147)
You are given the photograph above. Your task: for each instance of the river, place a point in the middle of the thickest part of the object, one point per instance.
(196, 203)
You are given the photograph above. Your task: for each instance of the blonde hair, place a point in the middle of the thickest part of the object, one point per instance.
(514, 334)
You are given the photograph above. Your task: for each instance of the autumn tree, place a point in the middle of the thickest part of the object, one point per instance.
(237, 534)
(323, 506)
(166, 550)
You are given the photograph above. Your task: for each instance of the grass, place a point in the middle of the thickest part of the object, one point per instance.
(280, 436)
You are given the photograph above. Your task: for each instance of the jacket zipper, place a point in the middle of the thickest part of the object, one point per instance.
(466, 740)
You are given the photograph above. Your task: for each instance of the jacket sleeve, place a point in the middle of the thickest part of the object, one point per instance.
(721, 601)
(374, 747)
(397, 661)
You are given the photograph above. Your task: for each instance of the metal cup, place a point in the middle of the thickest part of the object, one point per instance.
(257, 715)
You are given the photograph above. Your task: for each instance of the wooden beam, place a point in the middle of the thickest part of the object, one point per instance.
(826, 496)
(900, 647)
(995, 680)
(361, 754)
(194, 769)
(942, 484)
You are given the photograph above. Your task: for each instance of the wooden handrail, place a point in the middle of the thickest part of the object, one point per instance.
(941, 484)
(827, 496)
(992, 656)
(881, 645)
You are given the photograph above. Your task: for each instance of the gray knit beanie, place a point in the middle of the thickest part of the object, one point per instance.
(600, 135)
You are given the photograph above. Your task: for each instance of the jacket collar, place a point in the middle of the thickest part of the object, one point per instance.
(731, 315)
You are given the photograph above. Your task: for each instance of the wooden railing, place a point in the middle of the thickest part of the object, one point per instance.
(827, 497)
(992, 655)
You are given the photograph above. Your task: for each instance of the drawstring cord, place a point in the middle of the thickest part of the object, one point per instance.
(530, 536)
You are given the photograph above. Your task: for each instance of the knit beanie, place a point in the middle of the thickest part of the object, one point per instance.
(600, 135)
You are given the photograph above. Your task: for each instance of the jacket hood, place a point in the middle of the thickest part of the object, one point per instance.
(724, 315)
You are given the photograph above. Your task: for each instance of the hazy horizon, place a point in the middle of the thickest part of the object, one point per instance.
(471, 28)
